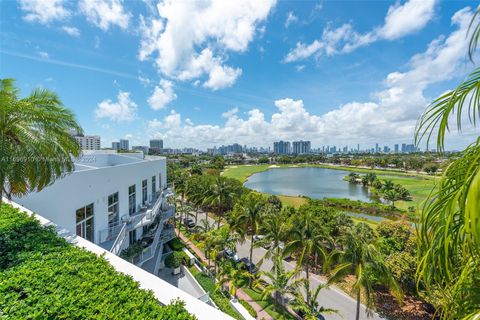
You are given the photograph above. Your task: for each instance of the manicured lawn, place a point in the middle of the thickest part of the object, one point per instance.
(243, 172)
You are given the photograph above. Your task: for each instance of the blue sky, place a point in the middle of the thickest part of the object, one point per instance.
(207, 73)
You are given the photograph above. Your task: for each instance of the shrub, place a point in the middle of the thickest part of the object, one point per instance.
(174, 260)
(176, 244)
(43, 276)
(249, 308)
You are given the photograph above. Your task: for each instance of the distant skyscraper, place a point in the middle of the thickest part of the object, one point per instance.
(116, 145)
(281, 147)
(124, 144)
(377, 148)
(301, 147)
(396, 148)
(156, 144)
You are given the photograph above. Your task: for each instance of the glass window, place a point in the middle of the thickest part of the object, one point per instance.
(154, 187)
(85, 223)
(144, 191)
(131, 200)
(113, 212)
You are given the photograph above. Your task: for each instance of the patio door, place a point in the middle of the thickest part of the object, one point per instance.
(85, 223)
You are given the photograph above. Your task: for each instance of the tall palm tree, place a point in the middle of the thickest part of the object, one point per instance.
(307, 237)
(279, 284)
(310, 308)
(233, 277)
(35, 142)
(275, 227)
(247, 216)
(449, 226)
(221, 195)
(362, 257)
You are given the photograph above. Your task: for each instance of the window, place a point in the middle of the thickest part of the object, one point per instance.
(113, 212)
(153, 187)
(160, 181)
(84, 220)
(132, 237)
(144, 191)
(131, 200)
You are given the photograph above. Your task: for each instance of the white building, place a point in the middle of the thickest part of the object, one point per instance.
(88, 142)
(124, 145)
(301, 147)
(113, 200)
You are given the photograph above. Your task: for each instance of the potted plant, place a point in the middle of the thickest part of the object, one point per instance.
(174, 261)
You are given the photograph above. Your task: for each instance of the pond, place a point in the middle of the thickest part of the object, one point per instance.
(315, 183)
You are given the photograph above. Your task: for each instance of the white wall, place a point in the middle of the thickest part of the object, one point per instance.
(59, 201)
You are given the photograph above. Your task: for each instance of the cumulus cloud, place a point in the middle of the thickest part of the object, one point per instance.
(74, 32)
(189, 40)
(162, 95)
(105, 13)
(44, 12)
(401, 20)
(124, 109)
(390, 116)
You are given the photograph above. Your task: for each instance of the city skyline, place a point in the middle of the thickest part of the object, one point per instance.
(282, 77)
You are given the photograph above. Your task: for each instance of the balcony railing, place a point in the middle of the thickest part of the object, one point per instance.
(118, 244)
(109, 234)
(168, 213)
(149, 252)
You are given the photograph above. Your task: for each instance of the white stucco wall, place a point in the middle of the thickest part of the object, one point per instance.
(59, 201)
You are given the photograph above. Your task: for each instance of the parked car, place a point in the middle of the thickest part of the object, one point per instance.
(189, 223)
(248, 265)
(228, 254)
(258, 237)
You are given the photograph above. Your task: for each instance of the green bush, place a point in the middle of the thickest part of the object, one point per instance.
(176, 244)
(44, 277)
(249, 308)
(174, 260)
(222, 302)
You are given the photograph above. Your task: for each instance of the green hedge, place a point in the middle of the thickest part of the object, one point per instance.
(176, 244)
(44, 277)
(249, 308)
(209, 286)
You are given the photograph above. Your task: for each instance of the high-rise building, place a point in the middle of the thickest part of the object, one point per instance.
(396, 148)
(301, 147)
(281, 147)
(88, 142)
(124, 144)
(377, 148)
(144, 149)
(116, 145)
(156, 144)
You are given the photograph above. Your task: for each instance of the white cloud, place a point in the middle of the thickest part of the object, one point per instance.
(43, 54)
(105, 13)
(74, 32)
(390, 116)
(122, 110)
(191, 39)
(44, 12)
(401, 20)
(291, 18)
(162, 95)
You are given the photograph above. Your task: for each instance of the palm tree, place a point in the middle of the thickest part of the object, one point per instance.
(362, 257)
(247, 216)
(392, 196)
(307, 237)
(234, 277)
(35, 142)
(371, 177)
(449, 226)
(279, 284)
(275, 228)
(221, 195)
(310, 308)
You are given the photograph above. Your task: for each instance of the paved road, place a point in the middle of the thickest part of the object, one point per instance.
(331, 297)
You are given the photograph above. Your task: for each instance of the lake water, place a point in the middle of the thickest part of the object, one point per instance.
(315, 183)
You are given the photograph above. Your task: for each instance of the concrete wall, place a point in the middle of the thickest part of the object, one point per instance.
(59, 201)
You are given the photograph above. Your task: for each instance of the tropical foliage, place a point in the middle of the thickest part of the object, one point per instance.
(35, 142)
(449, 228)
(43, 276)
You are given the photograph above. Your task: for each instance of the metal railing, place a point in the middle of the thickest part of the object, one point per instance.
(169, 212)
(109, 233)
(149, 252)
(118, 244)
(147, 217)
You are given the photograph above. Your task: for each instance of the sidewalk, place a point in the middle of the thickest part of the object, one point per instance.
(261, 313)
